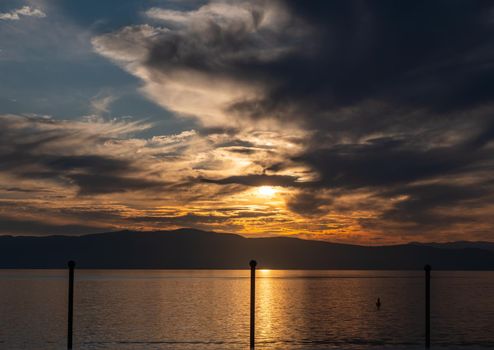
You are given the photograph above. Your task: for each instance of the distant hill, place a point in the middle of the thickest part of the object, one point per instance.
(194, 249)
(461, 245)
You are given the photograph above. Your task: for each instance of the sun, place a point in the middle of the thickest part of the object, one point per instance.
(266, 191)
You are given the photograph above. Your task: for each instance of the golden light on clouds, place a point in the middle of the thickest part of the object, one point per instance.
(257, 138)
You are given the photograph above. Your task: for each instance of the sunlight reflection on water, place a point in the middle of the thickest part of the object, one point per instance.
(185, 310)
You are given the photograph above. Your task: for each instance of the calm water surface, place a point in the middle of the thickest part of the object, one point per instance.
(185, 310)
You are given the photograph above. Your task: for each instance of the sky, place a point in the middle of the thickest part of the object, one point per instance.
(367, 122)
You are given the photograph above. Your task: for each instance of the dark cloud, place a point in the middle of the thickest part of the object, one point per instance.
(309, 203)
(29, 151)
(224, 46)
(24, 190)
(242, 150)
(397, 66)
(407, 54)
(256, 180)
(394, 169)
(91, 174)
(90, 184)
(427, 206)
(14, 226)
(388, 162)
(89, 163)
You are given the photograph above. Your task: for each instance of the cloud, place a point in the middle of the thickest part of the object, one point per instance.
(71, 172)
(309, 203)
(391, 104)
(34, 227)
(43, 148)
(374, 119)
(390, 162)
(100, 104)
(197, 49)
(256, 180)
(26, 11)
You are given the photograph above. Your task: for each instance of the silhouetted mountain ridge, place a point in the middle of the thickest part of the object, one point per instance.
(196, 249)
(460, 245)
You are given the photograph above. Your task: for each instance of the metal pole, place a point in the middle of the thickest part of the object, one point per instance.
(70, 315)
(253, 265)
(427, 269)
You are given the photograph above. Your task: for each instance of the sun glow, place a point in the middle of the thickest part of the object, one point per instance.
(266, 191)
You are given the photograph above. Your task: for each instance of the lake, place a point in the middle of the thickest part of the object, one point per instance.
(206, 309)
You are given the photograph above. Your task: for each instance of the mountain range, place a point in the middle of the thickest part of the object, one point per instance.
(195, 249)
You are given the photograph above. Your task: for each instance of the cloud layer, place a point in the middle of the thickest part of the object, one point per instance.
(99, 173)
(373, 120)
